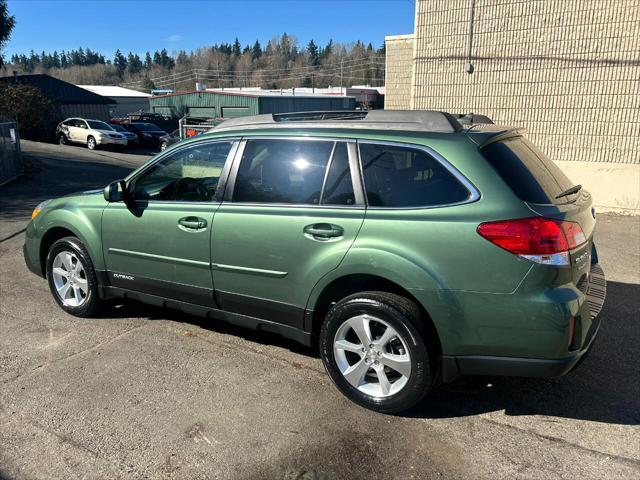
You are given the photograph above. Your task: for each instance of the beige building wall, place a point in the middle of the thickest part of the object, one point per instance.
(568, 71)
(398, 72)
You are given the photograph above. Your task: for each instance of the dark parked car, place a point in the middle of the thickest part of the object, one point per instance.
(132, 138)
(148, 134)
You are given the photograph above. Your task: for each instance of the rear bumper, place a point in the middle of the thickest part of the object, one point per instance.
(455, 366)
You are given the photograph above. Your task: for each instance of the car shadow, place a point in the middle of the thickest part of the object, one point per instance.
(43, 181)
(605, 388)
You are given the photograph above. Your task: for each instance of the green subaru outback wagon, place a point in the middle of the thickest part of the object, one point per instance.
(409, 247)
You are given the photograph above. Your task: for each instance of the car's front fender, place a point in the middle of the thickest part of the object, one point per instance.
(80, 215)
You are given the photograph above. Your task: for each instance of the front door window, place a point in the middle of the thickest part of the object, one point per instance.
(189, 175)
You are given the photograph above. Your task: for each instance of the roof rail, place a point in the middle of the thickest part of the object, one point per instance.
(408, 120)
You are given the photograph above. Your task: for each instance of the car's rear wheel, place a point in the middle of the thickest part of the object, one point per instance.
(91, 143)
(373, 348)
(72, 278)
(62, 139)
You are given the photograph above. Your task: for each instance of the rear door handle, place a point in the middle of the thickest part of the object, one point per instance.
(323, 231)
(192, 224)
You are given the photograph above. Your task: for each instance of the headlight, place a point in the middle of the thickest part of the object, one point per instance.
(39, 208)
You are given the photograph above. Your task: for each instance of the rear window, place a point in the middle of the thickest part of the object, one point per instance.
(532, 176)
(147, 127)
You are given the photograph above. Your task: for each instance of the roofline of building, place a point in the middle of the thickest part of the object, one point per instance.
(90, 89)
(406, 36)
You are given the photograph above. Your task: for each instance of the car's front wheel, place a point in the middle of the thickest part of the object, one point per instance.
(72, 278)
(62, 139)
(373, 348)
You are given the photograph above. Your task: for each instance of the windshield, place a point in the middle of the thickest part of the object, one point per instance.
(118, 128)
(98, 125)
(147, 127)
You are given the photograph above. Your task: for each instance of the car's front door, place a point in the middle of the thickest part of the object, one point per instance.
(158, 241)
(292, 209)
(81, 132)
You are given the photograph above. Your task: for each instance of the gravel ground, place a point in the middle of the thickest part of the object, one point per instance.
(150, 393)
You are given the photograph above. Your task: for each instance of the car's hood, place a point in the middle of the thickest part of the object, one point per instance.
(87, 198)
(108, 132)
(85, 193)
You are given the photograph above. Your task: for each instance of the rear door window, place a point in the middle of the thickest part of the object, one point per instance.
(532, 176)
(282, 171)
(398, 176)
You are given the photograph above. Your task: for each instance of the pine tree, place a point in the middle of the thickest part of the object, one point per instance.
(256, 51)
(312, 49)
(120, 63)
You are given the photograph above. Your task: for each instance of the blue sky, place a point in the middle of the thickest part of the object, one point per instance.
(141, 25)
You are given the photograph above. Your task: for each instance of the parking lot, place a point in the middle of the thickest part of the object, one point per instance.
(143, 392)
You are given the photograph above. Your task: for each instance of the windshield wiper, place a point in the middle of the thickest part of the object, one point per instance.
(570, 191)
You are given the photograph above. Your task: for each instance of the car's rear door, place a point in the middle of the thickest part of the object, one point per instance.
(292, 210)
(158, 242)
(74, 129)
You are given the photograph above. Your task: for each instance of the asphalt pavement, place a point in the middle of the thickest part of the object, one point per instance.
(143, 392)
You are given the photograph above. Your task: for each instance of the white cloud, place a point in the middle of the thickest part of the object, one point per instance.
(175, 38)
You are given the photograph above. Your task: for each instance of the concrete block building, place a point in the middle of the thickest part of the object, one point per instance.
(566, 70)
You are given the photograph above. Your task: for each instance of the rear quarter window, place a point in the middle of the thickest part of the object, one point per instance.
(404, 177)
(532, 176)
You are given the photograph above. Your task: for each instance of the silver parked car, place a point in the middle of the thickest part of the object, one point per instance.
(92, 133)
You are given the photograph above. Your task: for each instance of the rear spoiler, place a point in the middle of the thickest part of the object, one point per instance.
(486, 135)
(472, 118)
(511, 133)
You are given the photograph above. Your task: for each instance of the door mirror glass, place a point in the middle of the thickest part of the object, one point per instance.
(115, 191)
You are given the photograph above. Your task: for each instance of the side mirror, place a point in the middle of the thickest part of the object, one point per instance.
(115, 191)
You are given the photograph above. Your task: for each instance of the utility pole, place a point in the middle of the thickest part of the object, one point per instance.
(341, 60)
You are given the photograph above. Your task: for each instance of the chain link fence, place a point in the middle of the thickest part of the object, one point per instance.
(10, 157)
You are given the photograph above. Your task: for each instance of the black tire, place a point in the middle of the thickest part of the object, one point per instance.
(406, 318)
(62, 139)
(91, 143)
(91, 303)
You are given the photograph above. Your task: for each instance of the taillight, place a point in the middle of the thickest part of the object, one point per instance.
(541, 240)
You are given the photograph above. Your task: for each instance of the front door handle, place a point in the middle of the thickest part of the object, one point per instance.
(192, 224)
(323, 231)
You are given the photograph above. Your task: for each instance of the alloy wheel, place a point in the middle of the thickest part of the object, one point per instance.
(372, 356)
(70, 279)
